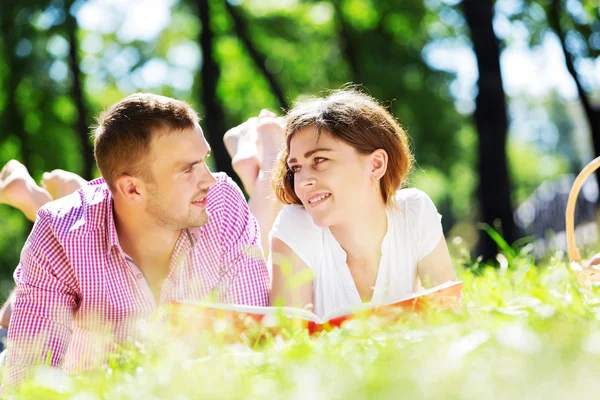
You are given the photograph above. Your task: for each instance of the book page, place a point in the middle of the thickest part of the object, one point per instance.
(288, 312)
(425, 292)
(341, 312)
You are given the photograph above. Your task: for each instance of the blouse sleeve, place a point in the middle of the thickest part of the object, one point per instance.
(426, 221)
(294, 227)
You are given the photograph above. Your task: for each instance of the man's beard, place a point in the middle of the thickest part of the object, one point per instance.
(163, 214)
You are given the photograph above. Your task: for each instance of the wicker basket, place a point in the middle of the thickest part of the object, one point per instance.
(585, 273)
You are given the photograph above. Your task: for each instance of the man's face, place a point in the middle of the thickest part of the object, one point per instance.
(180, 179)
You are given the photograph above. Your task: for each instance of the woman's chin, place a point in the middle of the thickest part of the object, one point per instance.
(321, 221)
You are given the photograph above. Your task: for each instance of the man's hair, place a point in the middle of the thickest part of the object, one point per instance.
(358, 120)
(125, 132)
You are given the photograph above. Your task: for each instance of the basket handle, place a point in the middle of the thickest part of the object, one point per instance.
(589, 169)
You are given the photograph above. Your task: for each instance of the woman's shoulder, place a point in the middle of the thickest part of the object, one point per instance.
(416, 205)
(296, 213)
(410, 197)
(294, 219)
(294, 227)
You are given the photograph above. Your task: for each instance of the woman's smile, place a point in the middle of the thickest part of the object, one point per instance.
(317, 199)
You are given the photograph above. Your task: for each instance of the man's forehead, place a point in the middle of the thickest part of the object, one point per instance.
(177, 145)
(179, 136)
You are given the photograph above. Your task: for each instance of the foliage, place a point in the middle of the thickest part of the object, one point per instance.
(309, 47)
(304, 46)
(523, 331)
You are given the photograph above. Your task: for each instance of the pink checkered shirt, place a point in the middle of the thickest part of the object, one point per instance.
(76, 287)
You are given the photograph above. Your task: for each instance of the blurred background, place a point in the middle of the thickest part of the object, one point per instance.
(501, 98)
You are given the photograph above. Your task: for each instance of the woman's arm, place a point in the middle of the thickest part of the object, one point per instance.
(436, 267)
(264, 206)
(292, 278)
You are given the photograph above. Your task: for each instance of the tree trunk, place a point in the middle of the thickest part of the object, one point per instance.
(259, 59)
(491, 122)
(81, 127)
(214, 126)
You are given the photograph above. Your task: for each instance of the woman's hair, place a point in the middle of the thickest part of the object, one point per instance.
(359, 121)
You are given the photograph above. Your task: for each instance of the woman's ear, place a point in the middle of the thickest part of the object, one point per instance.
(379, 163)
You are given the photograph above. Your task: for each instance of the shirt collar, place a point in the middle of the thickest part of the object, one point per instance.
(193, 235)
(112, 239)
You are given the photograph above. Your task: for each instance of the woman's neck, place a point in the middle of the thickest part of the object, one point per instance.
(361, 237)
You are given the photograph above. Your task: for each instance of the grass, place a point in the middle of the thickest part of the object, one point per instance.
(524, 331)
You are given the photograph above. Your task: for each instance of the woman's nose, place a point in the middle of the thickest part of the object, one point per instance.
(305, 179)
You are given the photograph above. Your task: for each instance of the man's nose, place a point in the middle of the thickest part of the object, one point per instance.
(209, 179)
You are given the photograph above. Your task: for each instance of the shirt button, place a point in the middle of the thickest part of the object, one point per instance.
(139, 276)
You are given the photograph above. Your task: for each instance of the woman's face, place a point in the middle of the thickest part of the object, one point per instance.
(331, 178)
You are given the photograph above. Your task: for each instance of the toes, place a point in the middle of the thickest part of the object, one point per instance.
(8, 168)
(230, 140)
(595, 260)
(266, 113)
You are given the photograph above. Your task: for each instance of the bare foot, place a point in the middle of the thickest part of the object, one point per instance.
(595, 260)
(60, 183)
(240, 142)
(270, 138)
(19, 190)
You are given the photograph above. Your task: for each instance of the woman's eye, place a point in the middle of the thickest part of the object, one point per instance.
(189, 170)
(319, 160)
(294, 169)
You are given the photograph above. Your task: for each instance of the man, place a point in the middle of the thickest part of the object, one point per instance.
(157, 227)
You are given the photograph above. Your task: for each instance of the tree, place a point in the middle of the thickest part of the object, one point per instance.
(214, 115)
(77, 94)
(17, 46)
(555, 17)
(491, 122)
(258, 58)
(575, 24)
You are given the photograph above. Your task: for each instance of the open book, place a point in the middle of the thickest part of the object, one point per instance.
(445, 296)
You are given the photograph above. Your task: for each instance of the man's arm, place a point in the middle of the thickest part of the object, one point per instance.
(45, 300)
(6, 310)
(243, 268)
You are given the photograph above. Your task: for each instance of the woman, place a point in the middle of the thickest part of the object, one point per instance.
(348, 225)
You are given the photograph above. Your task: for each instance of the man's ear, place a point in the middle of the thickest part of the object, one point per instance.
(130, 188)
(379, 163)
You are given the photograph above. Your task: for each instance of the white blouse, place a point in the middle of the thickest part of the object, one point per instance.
(414, 230)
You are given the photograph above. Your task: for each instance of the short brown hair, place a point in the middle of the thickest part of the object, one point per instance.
(125, 131)
(359, 121)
